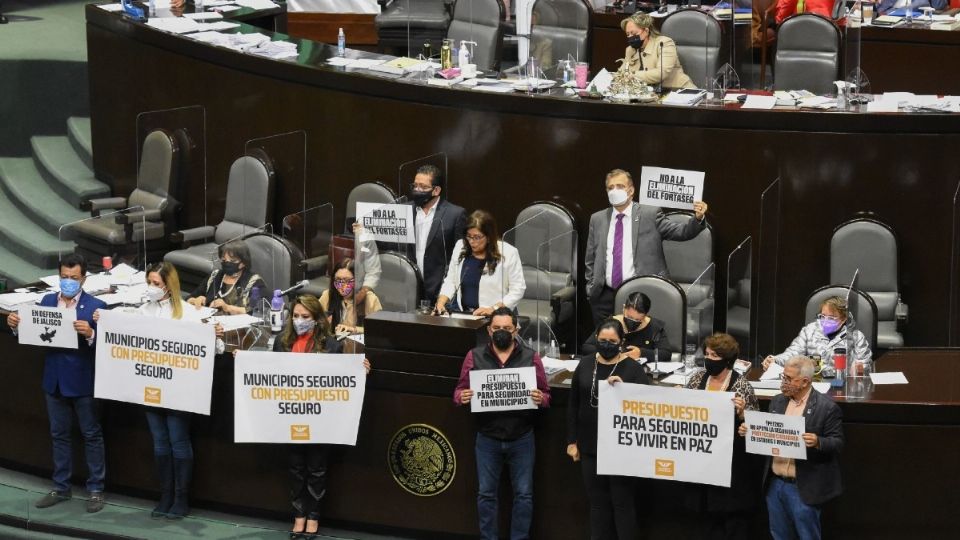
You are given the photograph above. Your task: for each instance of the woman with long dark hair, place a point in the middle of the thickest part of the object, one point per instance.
(344, 314)
(485, 272)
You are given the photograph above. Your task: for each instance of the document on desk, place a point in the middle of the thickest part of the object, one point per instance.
(174, 25)
(234, 322)
(218, 26)
(664, 367)
(555, 364)
(204, 16)
(772, 373)
(494, 88)
(11, 301)
(759, 102)
(466, 316)
(892, 377)
(255, 4)
(111, 7)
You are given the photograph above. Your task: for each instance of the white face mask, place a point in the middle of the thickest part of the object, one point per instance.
(617, 196)
(154, 293)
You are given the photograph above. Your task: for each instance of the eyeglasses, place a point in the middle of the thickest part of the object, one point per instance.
(417, 187)
(475, 237)
(822, 317)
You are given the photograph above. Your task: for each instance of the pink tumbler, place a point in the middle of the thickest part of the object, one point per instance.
(580, 72)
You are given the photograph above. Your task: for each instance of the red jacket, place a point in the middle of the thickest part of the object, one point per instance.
(786, 8)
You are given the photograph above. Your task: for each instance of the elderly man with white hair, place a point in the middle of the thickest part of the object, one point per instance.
(797, 489)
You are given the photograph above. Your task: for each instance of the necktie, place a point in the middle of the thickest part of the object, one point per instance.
(616, 274)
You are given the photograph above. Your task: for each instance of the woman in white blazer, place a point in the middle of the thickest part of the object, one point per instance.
(484, 272)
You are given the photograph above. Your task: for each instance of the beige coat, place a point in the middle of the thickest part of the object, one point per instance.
(649, 69)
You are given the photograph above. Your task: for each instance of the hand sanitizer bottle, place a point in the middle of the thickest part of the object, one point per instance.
(341, 43)
(276, 311)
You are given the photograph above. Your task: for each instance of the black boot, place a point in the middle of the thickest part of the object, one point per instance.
(165, 473)
(182, 472)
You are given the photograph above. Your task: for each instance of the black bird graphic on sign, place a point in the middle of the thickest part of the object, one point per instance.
(47, 335)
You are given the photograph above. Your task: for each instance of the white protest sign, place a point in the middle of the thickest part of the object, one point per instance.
(155, 361)
(387, 222)
(47, 327)
(665, 433)
(670, 188)
(297, 397)
(777, 435)
(505, 389)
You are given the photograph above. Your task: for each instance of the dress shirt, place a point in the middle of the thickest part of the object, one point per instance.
(628, 268)
(787, 467)
(424, 222)
(71, 303)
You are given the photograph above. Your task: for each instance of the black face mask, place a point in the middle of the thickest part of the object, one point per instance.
(229, 267)
(502, 339)
(715, 367)
(635, 41)
(421, 198)
(608, 350)
(631, 324)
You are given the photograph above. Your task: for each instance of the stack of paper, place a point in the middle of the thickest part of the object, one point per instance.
(175, 25)
(217, 26)
(12, 301)
(205, 16)
(277, 50)
(256, 4)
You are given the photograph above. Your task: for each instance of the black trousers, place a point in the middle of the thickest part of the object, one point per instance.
(602, 306)
(728, 525)
(613, 513)
(308, 478)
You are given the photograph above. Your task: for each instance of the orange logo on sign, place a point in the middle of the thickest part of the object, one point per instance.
(151, 395)
(664, 467)
(299, 432)
(775, 451)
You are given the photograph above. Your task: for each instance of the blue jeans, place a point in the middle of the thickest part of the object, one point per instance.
(790, 517)
(60, 410)
(171, 433)
(518, 456)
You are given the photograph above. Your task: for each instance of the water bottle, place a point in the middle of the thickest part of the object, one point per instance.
(341, 43)
(198, 6)
(553, 351)
(153, 8)
(839, 367)
(276, 311)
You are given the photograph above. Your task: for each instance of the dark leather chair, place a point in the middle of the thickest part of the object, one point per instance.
(275, 259)
(667, 303)
(686, 262)
(480, 21)
(862, 309)
(142, 231)
(562, 26)
(808, 54)
(545, 238)
(400, 287)
(699, 39)
(871, 246)
(412, 21)
(250, 190)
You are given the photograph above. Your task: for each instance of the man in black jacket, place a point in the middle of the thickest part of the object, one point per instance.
(504, 437)
(797, 489)
(438, 225)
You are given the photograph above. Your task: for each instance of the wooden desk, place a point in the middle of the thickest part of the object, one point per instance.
(911, 59)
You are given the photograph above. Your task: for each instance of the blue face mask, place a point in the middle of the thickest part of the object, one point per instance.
(69, 287)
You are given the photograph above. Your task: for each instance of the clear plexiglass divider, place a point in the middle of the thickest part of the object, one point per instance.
(739, 263)
(700, 308)
(311, 231)
(537, 277)
(764, 314)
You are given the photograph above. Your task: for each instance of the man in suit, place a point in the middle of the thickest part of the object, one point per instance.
(627, 241)
(797, 489)
(68, 387)
(438, 225)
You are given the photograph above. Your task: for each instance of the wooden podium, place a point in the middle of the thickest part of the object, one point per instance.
(422, 344)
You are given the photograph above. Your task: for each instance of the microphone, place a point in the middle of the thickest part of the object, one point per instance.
(295, 288)
(660, 86)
